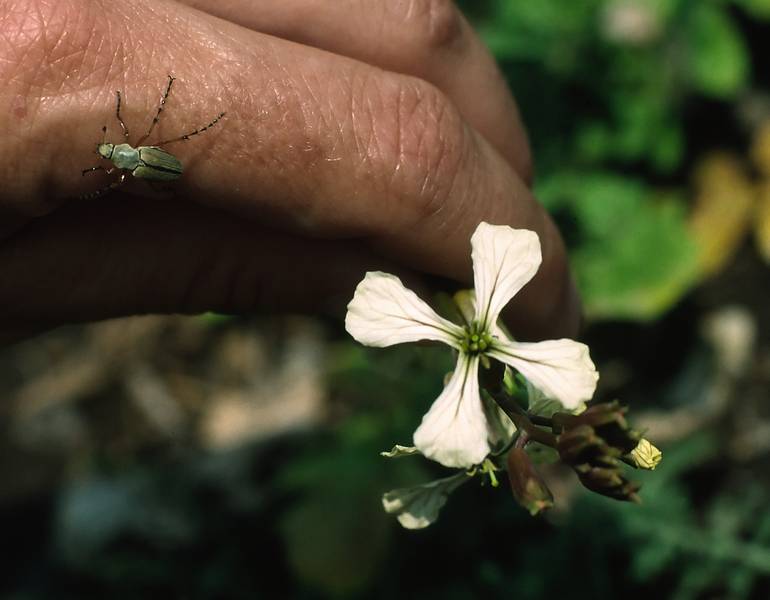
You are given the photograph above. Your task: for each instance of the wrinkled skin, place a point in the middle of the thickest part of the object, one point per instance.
(359, 135)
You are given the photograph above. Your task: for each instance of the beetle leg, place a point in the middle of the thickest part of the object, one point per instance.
(187, 136)
(117, 114)
(160, 110)
(98, 168)
(105, 190)
(92, 169)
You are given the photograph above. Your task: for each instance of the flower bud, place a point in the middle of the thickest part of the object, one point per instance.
(644, 456)
(608, 482)
(596, 441)
(581, 444)
(527, 486)
(608, 421)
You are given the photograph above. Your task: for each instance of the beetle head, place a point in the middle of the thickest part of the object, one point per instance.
(105, 150)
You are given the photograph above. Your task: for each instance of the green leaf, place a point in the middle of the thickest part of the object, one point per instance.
(324, 541)
(757, 8)
(632, 253)
(418, 506)
(399, 451)
(717, 57)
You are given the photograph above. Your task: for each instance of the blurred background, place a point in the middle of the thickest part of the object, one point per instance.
(216, 457)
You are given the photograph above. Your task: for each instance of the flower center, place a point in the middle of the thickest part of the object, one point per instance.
(475, 340)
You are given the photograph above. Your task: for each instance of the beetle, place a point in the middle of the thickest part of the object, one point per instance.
(152, 163)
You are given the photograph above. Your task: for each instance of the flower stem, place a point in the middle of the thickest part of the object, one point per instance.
(510, 407)
(539, 420)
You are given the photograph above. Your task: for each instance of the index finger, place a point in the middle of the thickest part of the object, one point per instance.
(313, 142)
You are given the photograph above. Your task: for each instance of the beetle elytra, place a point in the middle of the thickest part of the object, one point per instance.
(152, 163)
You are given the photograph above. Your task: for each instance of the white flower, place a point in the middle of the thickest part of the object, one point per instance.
(455, 431)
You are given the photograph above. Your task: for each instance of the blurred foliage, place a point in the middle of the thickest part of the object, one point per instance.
(300, 517)
(760, 156)
(723, 210)
(605, 87)
(727, 553)
(651, 262)
(338, 532)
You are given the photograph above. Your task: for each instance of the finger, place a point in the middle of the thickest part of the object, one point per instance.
(318, 144)
(132, 255)
(429, 39)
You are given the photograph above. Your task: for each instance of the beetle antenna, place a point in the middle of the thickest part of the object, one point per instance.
(187, 136)
(160, 110)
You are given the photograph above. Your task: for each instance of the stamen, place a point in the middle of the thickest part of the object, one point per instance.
(475, 340)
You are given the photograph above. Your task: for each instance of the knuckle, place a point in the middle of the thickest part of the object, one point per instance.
(429, 24)
(426, 147)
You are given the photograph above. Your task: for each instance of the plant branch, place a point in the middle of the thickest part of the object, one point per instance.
(522, 421)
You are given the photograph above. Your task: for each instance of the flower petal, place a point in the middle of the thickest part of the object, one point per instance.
(383, 312)
(454, 431)
(504, 260)
(562, 369)
(500, 428)
(417, 507)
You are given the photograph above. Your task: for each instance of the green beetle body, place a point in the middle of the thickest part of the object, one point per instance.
(145, 162)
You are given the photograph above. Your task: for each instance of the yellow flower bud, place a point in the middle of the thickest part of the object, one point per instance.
(645, 455)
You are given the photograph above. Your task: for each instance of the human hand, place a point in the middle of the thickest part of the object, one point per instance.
(359, 135)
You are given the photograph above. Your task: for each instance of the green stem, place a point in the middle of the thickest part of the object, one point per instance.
(511, 408)
(519, 438)
(542, 421)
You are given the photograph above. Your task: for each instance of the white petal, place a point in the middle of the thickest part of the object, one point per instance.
(561, 369)
(418, 506)
(504, 260)
(500, 428)
(454, 431)
(383, 312)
